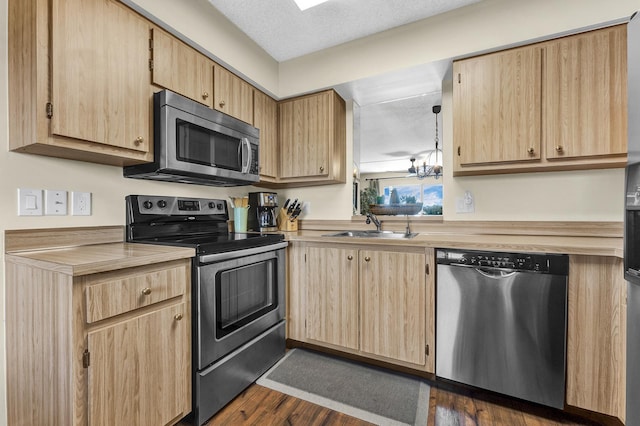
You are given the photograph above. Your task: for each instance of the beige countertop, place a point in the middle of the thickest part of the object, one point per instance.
(90, 259)
(595, 246)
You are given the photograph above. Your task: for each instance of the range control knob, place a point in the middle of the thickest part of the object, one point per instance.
(212, 205)
(147, 204)
(220, 206)
(162, 204)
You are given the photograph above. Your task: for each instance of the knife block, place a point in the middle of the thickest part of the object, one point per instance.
(284, 224)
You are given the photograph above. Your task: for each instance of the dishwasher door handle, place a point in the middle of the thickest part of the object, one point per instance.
(488, 271)
(496, 273)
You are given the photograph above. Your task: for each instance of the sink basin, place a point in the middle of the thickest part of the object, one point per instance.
(373, 234)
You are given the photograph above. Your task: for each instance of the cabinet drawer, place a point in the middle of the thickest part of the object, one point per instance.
(134, 289)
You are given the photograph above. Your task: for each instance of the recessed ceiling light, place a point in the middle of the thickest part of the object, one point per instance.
(306, 4)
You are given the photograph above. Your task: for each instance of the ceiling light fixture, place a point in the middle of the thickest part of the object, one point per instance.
(306, 4)
(431, 166)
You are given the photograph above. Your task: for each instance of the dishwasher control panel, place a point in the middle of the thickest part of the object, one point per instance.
(533, 262)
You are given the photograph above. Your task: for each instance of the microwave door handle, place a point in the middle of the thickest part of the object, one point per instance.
(246, 167)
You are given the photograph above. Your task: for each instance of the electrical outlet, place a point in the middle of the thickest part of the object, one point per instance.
(55, 202)
(81, 203)
(465, 204)
(29, 202)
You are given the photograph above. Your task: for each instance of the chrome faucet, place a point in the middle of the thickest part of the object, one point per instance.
(372, 218)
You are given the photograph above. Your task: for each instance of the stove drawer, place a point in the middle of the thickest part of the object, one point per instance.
(114, 293)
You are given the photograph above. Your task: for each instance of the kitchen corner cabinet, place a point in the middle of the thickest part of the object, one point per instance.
(109, 347)
(180, 68)
(312, 139)
(265, 118)
(377, 304)
(555, 105)
(232, 95)
(79, 97)
(596, 335)
(585, 108)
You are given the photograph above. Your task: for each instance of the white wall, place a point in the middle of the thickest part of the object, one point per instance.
(488, 25)
(549, 196)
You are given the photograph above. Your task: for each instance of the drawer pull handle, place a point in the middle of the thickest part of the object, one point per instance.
(367, 258)
(205, 95)
(349, 257)
(321, 169)
(177, 317)
(559, 148)
(530, 150)
(146, 291)
(222, 104)
(138, 140)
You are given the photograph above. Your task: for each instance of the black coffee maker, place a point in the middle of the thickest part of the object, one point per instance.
(262, 211)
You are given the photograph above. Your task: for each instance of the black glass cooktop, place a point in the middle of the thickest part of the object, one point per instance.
(216, 243)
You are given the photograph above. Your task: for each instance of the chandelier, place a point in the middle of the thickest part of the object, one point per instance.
(431, 166)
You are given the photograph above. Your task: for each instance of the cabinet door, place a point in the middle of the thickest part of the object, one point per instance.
(392, 305)
(99, 71)
(497, 107)
(140, 369)
(181, 68)
(596, 335)
(305, 136)
(332, 296)
(265, 118)
(232, 95)
(586, 94)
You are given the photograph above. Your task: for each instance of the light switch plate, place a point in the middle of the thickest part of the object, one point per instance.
(29, 202)
(81, 203)
(55, 202)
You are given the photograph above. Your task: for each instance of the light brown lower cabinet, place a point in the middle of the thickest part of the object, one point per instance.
(373, 302)
(109, 348)
(596, 335)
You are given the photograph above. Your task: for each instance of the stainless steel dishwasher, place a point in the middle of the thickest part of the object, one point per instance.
(501, 322)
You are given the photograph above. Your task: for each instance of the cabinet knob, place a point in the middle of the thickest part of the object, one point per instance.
(205, 95)
(559, 148)
(367, 258)
(349, 257)
(146, 291)
(138, 140)
(531, 150)
(222, 104)
(177, 317)
(322, 168)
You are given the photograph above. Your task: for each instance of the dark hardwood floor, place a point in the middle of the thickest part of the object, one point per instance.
(447, 407)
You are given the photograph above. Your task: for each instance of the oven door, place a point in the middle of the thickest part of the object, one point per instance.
(239, 295)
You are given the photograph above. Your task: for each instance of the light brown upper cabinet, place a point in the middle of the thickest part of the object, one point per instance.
(496, 108)
(265, 118)
(180, 68)
(312, 139)
(555, 105)
(232, 95)
(585, 108)
(79, 81)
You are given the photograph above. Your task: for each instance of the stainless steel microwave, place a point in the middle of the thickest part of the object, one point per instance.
(196, 144)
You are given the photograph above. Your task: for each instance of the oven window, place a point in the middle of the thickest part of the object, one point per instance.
(244, 294)
(199, 145)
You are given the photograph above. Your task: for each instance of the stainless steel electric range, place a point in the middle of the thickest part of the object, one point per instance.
(238, 292)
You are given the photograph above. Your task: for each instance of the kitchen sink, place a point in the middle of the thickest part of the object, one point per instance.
(373, 234)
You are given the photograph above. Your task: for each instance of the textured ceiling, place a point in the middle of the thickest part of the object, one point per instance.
(286, 32)
(396, 121)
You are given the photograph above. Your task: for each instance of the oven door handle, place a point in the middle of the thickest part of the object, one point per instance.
(219, 257)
